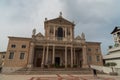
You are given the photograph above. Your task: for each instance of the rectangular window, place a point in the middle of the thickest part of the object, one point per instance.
(22, 55)
(98, 58)
(13, 46)
(11, 55)
(89, 58)
(3, 56)
(89, 49)
(23, 46)
(97, 50)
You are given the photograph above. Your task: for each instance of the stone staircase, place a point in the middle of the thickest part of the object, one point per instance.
(53, 71)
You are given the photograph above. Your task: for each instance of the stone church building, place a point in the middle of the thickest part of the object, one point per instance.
(58, 47)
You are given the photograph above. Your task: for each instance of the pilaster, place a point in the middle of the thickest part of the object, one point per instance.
(31, 55)
(53, 57)
(85, 65)
(74, 59)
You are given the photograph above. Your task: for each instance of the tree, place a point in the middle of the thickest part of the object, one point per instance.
(110, 64)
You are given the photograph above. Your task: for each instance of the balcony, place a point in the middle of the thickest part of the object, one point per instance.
(55, 38)
(59, 38)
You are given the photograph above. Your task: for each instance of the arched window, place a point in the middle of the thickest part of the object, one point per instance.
(60, 33)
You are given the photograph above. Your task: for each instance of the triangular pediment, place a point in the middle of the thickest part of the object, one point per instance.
(39, 35)
(78, 38)
(60, 20)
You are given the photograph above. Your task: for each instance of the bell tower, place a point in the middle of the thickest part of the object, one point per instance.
(116, 35)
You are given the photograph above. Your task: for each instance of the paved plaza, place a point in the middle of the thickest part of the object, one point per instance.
(58, 77)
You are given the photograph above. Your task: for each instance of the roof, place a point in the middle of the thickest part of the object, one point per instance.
(60, 20)
(111, 56)
(115, 29)
(3, 52)
(11, 37)
(93, 42)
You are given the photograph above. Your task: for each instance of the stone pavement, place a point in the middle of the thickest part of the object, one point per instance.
(58, 77)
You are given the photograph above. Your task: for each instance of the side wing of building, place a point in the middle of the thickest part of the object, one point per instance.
(94, 54)
(17, 54)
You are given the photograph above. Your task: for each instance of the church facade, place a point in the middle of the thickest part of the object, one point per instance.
(58, 47)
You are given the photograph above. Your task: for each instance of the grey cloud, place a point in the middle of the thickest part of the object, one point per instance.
(96, 18)
(19, 17)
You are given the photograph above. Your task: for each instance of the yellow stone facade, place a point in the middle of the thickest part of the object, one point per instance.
(57, 48)
(2, 57)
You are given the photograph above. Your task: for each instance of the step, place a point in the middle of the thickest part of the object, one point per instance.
(53, 71)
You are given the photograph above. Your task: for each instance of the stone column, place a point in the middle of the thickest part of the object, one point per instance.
(47, 55)
(53, 57)
(84, 65)
(65, 57)
(74, 57)
(31, 55)
(43, 57)
(71, 57)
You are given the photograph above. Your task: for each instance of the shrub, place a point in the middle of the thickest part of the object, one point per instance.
(52, 65)
(68, 66)
(110, 64)
(74, 66)
(62, 66)
(56, 65)
(45, 66)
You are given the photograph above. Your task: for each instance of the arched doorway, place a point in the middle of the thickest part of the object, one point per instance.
(60, 33)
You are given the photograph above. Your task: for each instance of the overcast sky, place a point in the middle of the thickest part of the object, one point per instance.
(96, 18)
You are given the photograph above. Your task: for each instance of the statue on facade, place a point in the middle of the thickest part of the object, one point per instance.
(60, 14)
(83, 36)
(34, 31)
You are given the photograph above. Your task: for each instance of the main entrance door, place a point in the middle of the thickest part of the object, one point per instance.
(57, 61)
(38, 62)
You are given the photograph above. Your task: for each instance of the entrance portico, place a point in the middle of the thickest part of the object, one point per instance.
(67, 56)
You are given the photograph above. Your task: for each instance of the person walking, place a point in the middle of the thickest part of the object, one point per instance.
(95, 72)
